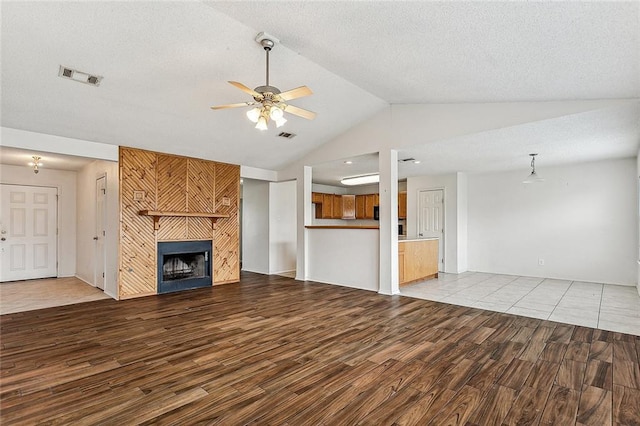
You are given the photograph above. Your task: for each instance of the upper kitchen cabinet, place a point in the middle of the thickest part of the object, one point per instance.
(402, 205)
(348, 207)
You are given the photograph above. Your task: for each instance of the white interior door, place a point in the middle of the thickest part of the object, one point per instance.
(101, 234)
(431, 219)
(28, 232)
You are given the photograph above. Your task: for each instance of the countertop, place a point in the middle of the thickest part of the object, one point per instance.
(342, 227)
(405, 239)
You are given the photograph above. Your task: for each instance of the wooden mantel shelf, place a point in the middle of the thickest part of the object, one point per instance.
(158, 214)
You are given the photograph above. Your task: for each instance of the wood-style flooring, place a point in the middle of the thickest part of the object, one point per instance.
(272, 350)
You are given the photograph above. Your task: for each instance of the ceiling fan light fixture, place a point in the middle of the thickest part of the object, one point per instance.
(254, 114)
(262, 123)
(280, 122)
(276, 114)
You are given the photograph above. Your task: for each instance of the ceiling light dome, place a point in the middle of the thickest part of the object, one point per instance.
(276, 113)
(254, 114)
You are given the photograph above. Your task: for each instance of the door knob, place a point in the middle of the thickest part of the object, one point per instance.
(95, 238)
(3, 239)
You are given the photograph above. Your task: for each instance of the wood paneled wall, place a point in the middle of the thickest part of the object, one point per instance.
(154, 181)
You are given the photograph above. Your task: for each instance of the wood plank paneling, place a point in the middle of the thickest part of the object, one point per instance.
(154, 181)
(272, 350)
(137, 240)
(226, 258)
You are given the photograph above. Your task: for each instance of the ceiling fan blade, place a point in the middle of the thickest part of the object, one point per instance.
(300, 112)
(239, 105)
(298, 92)
(245, 89)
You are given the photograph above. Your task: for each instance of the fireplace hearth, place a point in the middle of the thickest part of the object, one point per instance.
(183, 265)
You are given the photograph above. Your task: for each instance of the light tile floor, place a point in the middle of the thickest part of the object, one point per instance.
(20, 296)
(603, 306)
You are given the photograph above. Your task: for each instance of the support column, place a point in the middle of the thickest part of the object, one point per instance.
(388, 188)
(303, 201)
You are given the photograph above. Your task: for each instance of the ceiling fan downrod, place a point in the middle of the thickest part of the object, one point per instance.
(267, 45)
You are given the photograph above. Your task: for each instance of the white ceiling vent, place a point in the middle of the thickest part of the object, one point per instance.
(79, 76)
(287, 135)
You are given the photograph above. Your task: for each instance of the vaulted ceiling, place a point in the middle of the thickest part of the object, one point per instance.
(165, 63)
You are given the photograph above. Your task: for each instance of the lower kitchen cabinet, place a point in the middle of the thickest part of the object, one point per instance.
(417, 260)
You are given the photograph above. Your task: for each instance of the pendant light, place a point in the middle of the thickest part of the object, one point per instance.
(533, 177)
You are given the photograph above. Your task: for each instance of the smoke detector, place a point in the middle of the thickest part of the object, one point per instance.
(79, 76)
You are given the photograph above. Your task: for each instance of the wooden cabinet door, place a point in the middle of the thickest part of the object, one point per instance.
(316, 197)
(370, 201)
(337, 207)
(327, 206)
(402, 205)
(348, 206)
(360, 206)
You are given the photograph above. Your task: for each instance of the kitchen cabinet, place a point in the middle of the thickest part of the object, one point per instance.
(360, 206)
(348, 207)
(402, 205)
(371, 200)
(337, 207)
(334, 206)
(417, 260)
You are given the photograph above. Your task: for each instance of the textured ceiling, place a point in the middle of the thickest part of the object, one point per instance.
(441, 52)
(165, 63)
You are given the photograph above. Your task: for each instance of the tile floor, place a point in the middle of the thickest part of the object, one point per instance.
(20, 296)
(603, 306)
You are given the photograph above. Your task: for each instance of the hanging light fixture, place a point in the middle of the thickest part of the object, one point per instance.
(35, 163)
(533, 177)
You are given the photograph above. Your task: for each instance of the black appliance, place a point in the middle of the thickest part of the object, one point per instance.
(376, 212)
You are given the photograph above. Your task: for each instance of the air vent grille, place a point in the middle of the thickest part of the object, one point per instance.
(287, 135)
(79, 76)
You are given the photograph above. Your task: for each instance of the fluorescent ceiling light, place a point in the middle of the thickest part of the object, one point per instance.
(361, 180)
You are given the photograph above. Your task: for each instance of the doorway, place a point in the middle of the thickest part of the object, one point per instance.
(101, 234)
(431, 219)
(28, 232)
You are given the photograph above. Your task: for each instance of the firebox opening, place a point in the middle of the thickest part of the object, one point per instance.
(184, 265)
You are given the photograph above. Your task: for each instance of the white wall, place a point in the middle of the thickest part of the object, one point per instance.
(282, 227)
(582, 221)
(255, 226)
(65, 181)
(346, 257)
(86, 224)
(404, 126)
(638, 222)
(58, 144)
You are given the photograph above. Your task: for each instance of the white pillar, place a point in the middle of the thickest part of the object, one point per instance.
(303, 200)
(388, 165)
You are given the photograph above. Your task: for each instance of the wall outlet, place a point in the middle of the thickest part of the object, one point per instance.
(540, 262)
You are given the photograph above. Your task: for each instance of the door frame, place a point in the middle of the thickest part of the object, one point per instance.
(96, 258)
(444, 220)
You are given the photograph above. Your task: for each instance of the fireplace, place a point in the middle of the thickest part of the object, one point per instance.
(183, 265)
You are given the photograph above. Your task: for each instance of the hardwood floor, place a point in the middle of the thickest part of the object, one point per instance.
(272, 350)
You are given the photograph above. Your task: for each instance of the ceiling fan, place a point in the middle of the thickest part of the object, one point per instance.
(270, 102)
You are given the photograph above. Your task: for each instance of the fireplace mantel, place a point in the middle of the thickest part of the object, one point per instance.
(158, 214)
